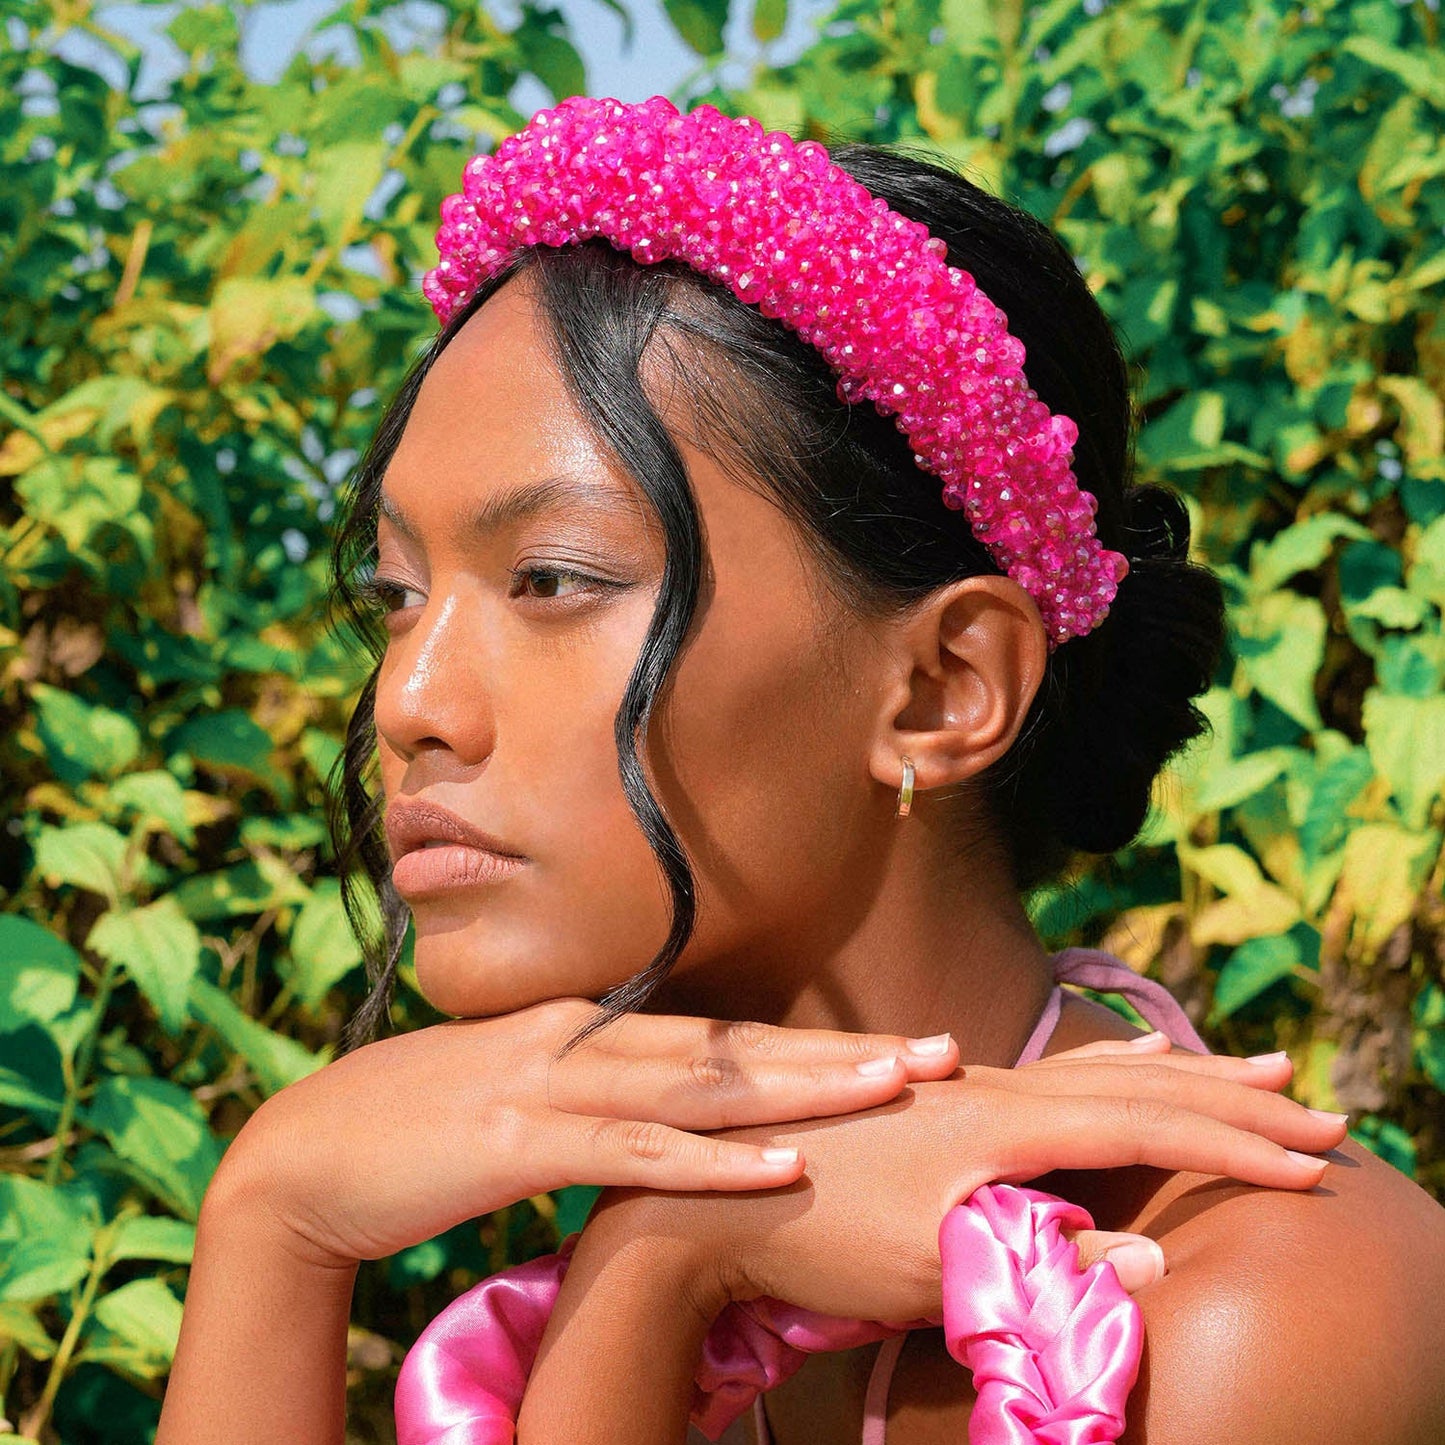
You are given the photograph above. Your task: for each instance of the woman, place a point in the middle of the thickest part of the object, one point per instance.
(621, 511)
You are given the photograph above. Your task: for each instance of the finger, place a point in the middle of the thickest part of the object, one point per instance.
(1116, 1132)
(1208, 1091)
(1109, 1069)
(655, 1156)
(1137, 1259)
(1156, 1042)
(692, 1091)
(933, 1057)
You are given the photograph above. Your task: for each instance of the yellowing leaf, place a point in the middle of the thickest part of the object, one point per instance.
(1422, 416)
(1384, 869)
(1406, 740)
(1267, 910)
(249, 314)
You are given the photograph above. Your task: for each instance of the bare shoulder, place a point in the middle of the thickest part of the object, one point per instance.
(1296, 1316)
(1284, 1316)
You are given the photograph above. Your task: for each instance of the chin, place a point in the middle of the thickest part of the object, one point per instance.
(485, 978)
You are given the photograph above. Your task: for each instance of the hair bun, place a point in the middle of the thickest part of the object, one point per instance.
(1156, 525)
(1133, 682)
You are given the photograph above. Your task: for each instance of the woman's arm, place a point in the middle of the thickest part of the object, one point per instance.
(265, 1334)
(625, 1337)
(407, 1137)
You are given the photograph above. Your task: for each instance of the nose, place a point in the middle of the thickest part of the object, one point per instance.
(432, 689)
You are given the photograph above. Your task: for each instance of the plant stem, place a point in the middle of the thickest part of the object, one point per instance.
(34, 1421)
(78, 1073)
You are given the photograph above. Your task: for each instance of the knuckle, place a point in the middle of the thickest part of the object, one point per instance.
(749, 1036)
(643, 1140)
(507, 1130)
(715, 1075)
(1143, 1116)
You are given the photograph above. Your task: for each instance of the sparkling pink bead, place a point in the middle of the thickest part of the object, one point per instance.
(784, 229)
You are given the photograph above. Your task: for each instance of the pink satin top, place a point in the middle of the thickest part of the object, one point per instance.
(1053, 1350)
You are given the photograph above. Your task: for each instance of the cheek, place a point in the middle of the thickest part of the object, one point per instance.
(591, 908)
(765, 768)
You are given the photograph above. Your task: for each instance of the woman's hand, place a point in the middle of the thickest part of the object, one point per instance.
(406, 1137)
(858, 1236)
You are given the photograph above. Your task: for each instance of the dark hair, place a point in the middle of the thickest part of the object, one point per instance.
(1114, 705)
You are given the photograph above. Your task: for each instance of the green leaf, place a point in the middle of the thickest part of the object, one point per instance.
(1389, 1141)
(1427, 567)
(554, 60)
(699, 22)
(160, 1132)
(1190, 435)
(86, 855)
(1299, 548)
(1229, 784)
(155, 796)
(32, 1074)
(1335, 788)
(275, 1059)
(154, 1236)
(160, 948)
(1406, 740)
(323, 947)
(77, 498)
(39, 977)
(45, 1239)
(19, 1324)
(770, 19)
(229, 741)
(574, 1204)
(1422, 73)
(1251, 968)
(145, 1314)
(1280, 647)
(83, 741)
(321, 751)
(1431, 1050)
(250, 887)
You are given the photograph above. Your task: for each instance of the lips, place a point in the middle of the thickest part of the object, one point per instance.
(413, 825)
(437, 855)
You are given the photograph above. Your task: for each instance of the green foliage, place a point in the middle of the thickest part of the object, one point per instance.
(204, 302)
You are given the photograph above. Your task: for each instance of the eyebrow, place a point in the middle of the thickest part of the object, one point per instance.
(518, 505)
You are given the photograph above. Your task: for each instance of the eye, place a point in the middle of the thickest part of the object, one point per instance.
(548, 583)
(385, 595)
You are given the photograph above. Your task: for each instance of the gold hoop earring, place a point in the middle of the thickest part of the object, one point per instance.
(905, 793)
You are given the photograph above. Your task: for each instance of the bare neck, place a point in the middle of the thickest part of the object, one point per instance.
(933, 950)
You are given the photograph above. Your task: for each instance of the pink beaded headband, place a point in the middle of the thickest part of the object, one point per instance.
(783, 228)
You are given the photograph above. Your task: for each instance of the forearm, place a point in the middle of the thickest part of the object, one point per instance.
(616, 1364)
(262, 1352)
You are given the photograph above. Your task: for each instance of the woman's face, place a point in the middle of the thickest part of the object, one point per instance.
(507, 657)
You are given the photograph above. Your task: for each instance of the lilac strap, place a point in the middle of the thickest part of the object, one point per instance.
(875, 1404)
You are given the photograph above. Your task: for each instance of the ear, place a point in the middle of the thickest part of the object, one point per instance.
(966, 664)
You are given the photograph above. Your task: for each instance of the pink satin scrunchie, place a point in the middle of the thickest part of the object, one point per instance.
(1054, 1351)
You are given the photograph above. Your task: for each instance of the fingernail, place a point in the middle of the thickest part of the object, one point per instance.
(780, 1156)
(1137, 1263)
(930, 1047)
(875, 1068)
(1266, 1058)
(1148, 1038)
(1306, 1159)
(1330, 1118)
